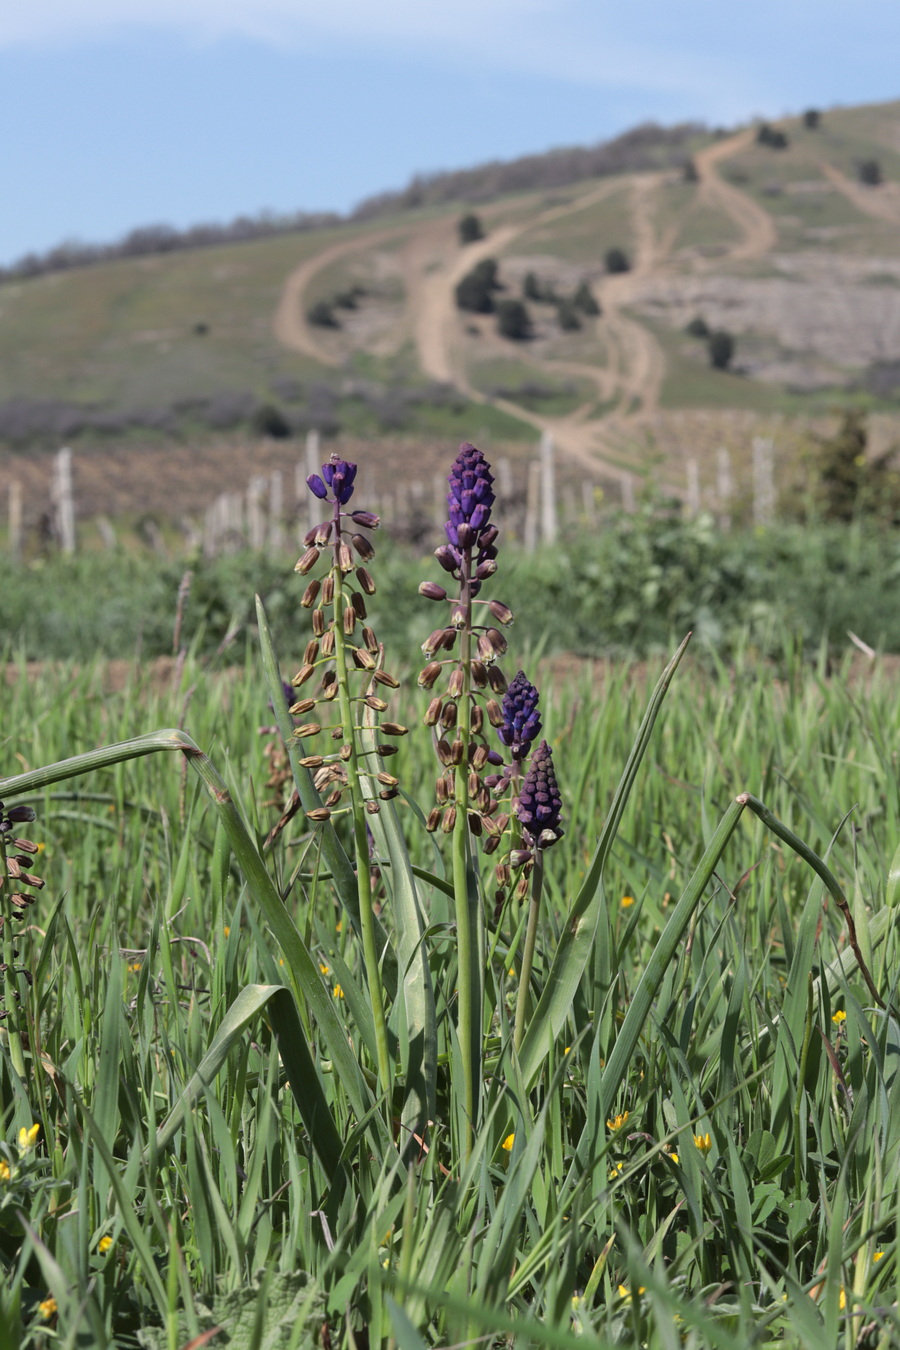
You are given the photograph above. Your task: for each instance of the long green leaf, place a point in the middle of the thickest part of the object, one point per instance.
(278, 1002)
(579, 931)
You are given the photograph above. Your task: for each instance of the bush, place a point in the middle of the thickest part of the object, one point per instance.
(474, 292)
(870, 173)
(721, 349)
(689, 172)
(851, 482)
(349, 299)
(321, 315)
(698, 327)
(567, 316)
(585, 300)
(812, 119)
(773, 137)
(268, 420)
(513, 320)
(470, 229)
(617, 260)
(531, 287)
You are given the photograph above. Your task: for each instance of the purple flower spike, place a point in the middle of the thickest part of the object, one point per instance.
(470, 498)
(540, 805)
(339, 475)
(522, 721)
(316, 486)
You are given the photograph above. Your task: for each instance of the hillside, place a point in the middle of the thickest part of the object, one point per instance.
(785, 247)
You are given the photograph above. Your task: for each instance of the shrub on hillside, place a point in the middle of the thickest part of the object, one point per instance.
(268, 420)
(617, 260)
(690, 172)
(322, 315)
(470, 229)
(475, 292)
(721, 349)
(531, 287)
(513, 320)
(698, 327)
(773, 137)
(869, 172)
(567, 316)
(585, 300)
(812, 119)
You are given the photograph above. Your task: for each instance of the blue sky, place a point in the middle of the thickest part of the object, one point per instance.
(118, 113)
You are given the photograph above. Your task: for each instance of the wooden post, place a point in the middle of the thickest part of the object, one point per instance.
(628, 493)
(724, 487)
(532, 499)
(107, 532)
(763, 481)
(256, 516)
(504, 479)
(692, 500)
(589, 503)
(63, 501)
(15, 519)
(313, 465)
(276, 511)
(548, 490)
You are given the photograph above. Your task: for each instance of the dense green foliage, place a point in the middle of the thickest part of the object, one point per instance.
(627, 590)
(744, 1189)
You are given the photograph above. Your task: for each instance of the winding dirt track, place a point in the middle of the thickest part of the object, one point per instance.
(883, 202)
(633, 376)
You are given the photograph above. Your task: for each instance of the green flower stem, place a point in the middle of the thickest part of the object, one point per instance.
(360, 839)
(534, 906)
(10, 980)
(464, 887)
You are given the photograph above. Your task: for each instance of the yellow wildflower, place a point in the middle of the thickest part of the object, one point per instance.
(28, 1138)
(326, 970)
(134, 967)
(47, 1309)
(618, 1121)
(703, 1142)
(842, 1301)
(567, 1049)
(673, 1155)
(839, 1017)
(338, 991)
(615, 1171)
(625, 1292)
(227, 930)
(104, 1244)
(339, 925)
(4, 1170)
(627, 901)
(508, 1142)
(876, 1256)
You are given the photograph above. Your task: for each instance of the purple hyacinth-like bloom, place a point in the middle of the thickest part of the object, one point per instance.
(337, 474)
(540, 805)
(522, 721)
(470, 498)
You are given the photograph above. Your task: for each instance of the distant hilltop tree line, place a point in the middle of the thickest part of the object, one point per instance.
(149, 240)
(647, 146)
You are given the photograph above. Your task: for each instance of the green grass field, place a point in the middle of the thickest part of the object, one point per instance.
(320, 1084)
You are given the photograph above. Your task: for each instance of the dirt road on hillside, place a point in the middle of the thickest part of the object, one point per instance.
(289, 323)
(882, 202)
(433, 264)
(752, 220)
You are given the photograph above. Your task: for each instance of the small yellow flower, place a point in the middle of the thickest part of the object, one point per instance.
(627, 901)
(625, 1292)
(338, 991)
(508, 1142)
(28, 1138)
(618, 1121)
(567, 1049)
(703, 1142)
(41, 846)
(673, 1155)
(47, 1309)
(135, 966)
(615, 1171)
(326, 970)
(227, 930)
(104, 1245)
(4, 1170)
(339, 925)
(281, 960)
(839, 1018)
(842, 1301)
(512, 972)
(876, 1256)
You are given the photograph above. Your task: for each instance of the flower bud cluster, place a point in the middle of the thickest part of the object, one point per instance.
(467, 704)
(16, 878)
(340, 627)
